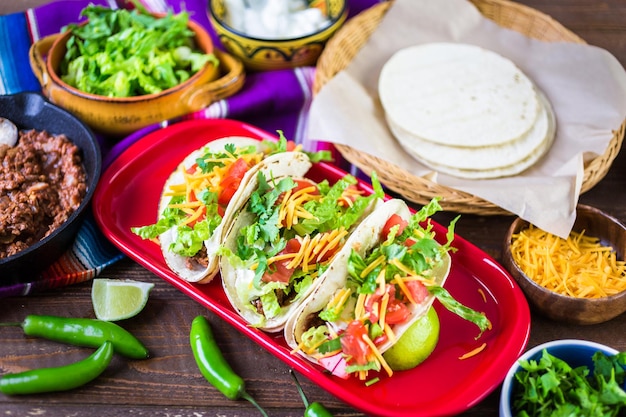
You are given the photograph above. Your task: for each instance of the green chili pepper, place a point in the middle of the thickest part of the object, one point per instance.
(83, 332)
(60, 378)
(314, 409)
(213, 365)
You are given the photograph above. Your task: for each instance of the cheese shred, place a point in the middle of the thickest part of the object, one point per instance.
(579, 266)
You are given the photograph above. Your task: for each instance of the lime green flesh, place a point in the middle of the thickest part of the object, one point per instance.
(115, 300)
(416, 344)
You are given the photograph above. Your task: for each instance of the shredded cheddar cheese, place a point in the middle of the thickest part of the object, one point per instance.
(196, 181)
(579, 266)
(378, 355)
(473, 352)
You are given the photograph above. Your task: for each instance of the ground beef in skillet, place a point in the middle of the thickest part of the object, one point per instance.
(42, 182)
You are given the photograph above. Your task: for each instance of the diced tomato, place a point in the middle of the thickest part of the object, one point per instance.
(353, 345)
(301, 183)
(373, 303)
(349, 196)
(291, 145)
(278, 271)
(417, 290)
(192, 169)
(393, 220)
(232, 180)
(397, 312)
(200, 218)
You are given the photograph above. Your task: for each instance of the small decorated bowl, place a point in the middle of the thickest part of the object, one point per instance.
(119, 116)
(573, 351)
(273, 53)
(556, 302)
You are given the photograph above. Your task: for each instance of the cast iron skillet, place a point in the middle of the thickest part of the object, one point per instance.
(29, 110)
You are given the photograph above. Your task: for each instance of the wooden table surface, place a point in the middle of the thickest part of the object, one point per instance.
(169, 384)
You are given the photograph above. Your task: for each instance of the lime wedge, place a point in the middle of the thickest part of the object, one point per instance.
(416, 344)
(116, 299)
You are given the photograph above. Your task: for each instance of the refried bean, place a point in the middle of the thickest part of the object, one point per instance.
(42, 182)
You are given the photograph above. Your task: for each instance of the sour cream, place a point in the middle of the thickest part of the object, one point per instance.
(275, 19)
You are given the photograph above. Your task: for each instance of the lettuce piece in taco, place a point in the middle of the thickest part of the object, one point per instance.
(284, 241)
(388, 276)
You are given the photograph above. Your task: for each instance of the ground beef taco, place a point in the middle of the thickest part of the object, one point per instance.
(285, 240)
(388, 275)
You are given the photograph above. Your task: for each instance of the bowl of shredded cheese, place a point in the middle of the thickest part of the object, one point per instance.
(580, 279)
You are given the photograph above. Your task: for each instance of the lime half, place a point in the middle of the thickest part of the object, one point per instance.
(416, 343)
(115, 299)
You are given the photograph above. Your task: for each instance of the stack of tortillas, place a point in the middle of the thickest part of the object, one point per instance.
(465, 111)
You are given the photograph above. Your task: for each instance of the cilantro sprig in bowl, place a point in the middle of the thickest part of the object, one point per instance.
(567, 377)
(121, 70)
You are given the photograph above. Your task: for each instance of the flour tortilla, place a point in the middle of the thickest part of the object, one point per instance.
(457, 95)
(488, 161)
(365, 237)
(282, 162)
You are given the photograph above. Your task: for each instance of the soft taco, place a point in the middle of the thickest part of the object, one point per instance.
(284, 241)
(200, 198)
(388, 276)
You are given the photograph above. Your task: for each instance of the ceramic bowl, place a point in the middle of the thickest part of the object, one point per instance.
(584, 311)
(120, 116)
(266, 55)
(33, 111)
(573, 351)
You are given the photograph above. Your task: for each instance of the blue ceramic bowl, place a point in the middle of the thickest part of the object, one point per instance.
(573, 351)
(32, 111)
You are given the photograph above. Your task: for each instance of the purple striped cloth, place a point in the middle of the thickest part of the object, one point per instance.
(276, 100)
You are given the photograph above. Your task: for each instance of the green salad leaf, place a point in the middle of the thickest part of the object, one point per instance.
(125, 53)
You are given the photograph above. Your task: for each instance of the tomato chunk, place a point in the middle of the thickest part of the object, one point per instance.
(278, 271)
(231, 181)
(393, 220)
(353, 345)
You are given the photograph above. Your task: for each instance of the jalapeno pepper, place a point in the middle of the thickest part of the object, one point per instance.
(83, 332)
(214, 366)
(314, 409)
(60, 378)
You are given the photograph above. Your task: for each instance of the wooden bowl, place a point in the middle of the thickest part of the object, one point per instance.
(574, 310)
(275, 54)
(117, 116)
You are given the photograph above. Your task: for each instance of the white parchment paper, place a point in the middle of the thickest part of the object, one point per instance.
(585, 84)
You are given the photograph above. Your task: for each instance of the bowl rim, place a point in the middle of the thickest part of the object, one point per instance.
(508, 258)
(63, 37)
(331, 27)
(509, 379)
(92, 181)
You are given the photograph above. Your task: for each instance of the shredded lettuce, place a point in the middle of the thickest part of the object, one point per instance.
(124, 53)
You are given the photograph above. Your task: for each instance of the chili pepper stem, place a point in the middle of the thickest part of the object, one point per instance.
(248, 397)
(12, 324)
(304, 399)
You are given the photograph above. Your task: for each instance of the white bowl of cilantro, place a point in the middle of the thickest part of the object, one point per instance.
(566, 377)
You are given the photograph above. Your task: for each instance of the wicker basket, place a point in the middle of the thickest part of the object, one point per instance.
(348, 41)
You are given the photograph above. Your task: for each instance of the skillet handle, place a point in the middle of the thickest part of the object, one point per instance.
(36, 54)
